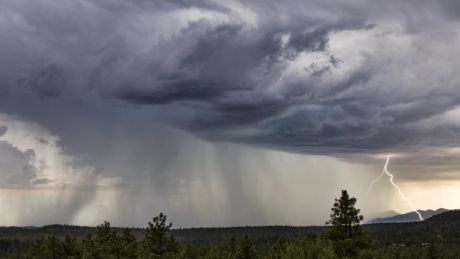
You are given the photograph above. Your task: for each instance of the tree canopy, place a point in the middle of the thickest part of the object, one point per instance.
(346, 233)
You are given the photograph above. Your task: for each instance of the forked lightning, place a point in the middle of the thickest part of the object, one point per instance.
(385, 171)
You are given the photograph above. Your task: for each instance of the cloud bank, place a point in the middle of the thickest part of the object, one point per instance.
(116, 83)
(315, 78)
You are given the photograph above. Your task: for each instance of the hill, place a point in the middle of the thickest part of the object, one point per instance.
(442, 230)
(407, 217)
(443, 222)
(383, 214)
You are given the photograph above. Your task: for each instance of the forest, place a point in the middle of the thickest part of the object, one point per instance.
(343, 237)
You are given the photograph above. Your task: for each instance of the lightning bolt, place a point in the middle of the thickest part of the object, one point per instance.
(385, 171)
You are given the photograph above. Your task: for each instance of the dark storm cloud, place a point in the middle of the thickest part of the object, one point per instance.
(140, 5)
(117, 85)
(223, 71)
(47, 80)
(191, 90)
(217, 61)
(223, 68)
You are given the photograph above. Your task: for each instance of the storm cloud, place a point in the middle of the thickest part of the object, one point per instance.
(124, 87)
(291, 82)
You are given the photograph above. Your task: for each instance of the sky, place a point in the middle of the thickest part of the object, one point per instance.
(225, 113)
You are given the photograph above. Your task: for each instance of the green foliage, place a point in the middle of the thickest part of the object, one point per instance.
(278, 250)
(346, 233)
(157, 242)
(128, 244)
(246, 250)
(302, 248)
(70, 247)
(430, 252)
(106, 243)
(189, 252)
(345, 218)
(49, 247)
(395, 252)
(87, 248)
(437, 237)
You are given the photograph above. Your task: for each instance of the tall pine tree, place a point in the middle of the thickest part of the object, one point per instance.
(346, 233)
(158, 243)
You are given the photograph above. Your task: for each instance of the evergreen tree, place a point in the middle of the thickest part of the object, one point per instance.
(189, 252)
(128, 244)
(278, 250)
(88, 248)
(106, 241)
(53, 247)
(49, 247)
(246, 249)
(395, 251)
(233, 247)
(157, 243)
(38, 248)
(430, 251)
(346, 233)
(70, 247)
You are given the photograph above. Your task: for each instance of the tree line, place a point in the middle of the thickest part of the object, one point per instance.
(344, 238)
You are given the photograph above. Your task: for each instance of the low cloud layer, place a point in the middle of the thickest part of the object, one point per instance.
(117, 83)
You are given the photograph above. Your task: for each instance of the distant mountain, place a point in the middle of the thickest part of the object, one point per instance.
(407, 217)
(382, 214)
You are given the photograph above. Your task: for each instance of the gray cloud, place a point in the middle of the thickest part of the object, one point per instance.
(46, 80)
(3, 130)
(121, 85)
(17, 169)
(225, 80)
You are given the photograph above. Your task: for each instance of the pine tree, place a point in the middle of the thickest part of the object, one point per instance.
(106, 242)
(430, 251)
(128, 244)
(278, 250)
(189, 252)
(246, 249)
(38, 248)
(70, 247)
(157, 243)
(345, 232)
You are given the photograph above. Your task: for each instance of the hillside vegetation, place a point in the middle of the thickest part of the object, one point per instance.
(436, 237)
